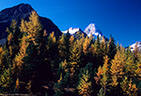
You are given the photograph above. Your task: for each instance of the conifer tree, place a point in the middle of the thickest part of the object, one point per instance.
(130, 64)
(19, 63)
(32, 28)
(5, 71)
(103, 74)
(51, 49)
(111, 48)
(71, 40)
(75, 54)
(63, 47)
(85, 83)
(26, 60)
(118, 65)
(97, 46)
(103, 46)
(101, 92)
(86, 45)
(128, 87)
(138, 70)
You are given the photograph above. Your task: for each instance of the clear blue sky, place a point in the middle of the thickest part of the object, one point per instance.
(120, 18)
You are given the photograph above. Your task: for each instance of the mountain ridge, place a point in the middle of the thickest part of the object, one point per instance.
(23, 11)
(89, 30)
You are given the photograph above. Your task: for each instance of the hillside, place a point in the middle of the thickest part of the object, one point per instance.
(37, 59)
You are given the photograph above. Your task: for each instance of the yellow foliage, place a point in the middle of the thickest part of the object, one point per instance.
(114, 83)
(84, 87)
(86, 45)
(118, 64)
(22, 53)
(32, 27)
(17, 83)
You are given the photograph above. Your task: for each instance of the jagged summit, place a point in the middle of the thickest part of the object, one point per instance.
(92, 30)
(72, 30)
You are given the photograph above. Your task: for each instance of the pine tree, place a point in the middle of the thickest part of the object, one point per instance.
(19, 63)
(52, 48)
(103, 46)
(26, 60)
(103, 74)
(75, 54)
(101, 92)
(32, 28)
(138, 70)
(85, 84)
(129, 87)
(130, 64)
(118, 66)
(111, 48)
(86, 45)
(97, 46)
(63, 47)
(6, 80)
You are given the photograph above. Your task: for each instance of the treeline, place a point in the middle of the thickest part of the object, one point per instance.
(33, 60)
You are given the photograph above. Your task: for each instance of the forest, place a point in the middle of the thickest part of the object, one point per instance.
(34, 61)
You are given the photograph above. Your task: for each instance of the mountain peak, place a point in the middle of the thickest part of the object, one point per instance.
(23, 11)
(136, 45)
(91, 29)
(72, 30)
(17, 12)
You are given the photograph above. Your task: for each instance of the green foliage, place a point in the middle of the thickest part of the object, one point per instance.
(101, 92)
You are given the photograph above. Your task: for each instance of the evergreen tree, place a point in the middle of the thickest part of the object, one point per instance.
(13, 39)
(5, 71)
(103, 46)
(74, 59)
(32, 28)
(103, 75)
(111, 48)
(101, 92)
(128, 87)
(86, 45)
(130, 64)
(63, 47)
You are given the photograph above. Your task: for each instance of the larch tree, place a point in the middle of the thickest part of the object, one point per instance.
(103, 74)
(85, 83)
(63, 47)
(75, 61)
(111, 48)
(118, 66)
(86, 45)
(32, 28)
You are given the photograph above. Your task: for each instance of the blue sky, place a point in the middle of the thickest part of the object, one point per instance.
(119, 18)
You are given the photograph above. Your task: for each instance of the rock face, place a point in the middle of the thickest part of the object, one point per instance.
(23, 11)
(92, 30)
(136, 45)
(76, 32)
(89, 30)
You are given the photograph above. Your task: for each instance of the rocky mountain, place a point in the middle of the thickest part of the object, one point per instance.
(76, 32)
(136, 45)
(89, 30)
(23, 11)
